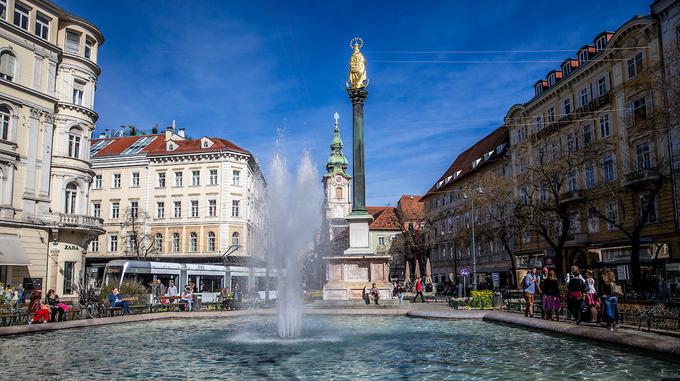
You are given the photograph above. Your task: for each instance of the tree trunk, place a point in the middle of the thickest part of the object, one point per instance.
(635, 261)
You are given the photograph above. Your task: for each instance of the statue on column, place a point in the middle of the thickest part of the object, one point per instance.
(357, 66)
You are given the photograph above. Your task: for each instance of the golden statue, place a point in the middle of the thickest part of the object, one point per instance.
(357, 66)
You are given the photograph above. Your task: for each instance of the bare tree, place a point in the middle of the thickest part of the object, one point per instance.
(138, 243)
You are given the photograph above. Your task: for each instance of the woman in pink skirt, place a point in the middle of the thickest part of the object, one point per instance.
(551, 297)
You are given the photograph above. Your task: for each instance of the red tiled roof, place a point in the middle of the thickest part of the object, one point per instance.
(157, 146)
(463, 162)
(120, 144)
(384, 218)
(411, 207)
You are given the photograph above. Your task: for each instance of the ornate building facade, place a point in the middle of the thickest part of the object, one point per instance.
(48, 75)
(166, 197)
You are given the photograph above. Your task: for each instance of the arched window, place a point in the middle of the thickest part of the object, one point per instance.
(70, 198)
(211, 241)
(234, 239)
(338, 192)
(74, 136)
(175, 242)
(158, 242)
(8, 65)
(193, 242)
(4, 122)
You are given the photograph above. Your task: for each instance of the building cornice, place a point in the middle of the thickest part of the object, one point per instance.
(35, 93)
(96, 70)
(28, 40)
(84, 110)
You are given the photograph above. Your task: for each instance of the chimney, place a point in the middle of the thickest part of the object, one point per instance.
(181, 133)
(168, 133)
(102, 135)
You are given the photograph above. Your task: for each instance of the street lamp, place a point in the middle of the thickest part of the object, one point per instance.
(473, 248)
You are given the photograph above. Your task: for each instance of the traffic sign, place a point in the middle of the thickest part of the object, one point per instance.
(464, 272)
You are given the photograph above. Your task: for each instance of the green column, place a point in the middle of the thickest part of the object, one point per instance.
(358, 97)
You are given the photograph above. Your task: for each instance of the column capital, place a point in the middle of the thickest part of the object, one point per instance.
(357, 96)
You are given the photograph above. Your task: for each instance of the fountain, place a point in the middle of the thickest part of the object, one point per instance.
(293, 217)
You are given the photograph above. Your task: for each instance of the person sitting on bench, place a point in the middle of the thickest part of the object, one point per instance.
(373, 294)
(117, 301)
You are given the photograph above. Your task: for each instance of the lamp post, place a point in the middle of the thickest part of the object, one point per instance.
(473, 247)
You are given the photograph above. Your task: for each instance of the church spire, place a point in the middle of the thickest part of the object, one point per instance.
(337, 162)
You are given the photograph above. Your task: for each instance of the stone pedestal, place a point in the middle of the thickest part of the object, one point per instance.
(349, 274)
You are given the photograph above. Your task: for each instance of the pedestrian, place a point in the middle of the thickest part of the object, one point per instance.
(398, 292)
(575, 293)
(591, 302)
(9, 294)
(529, 288)
(172, 291)
(541, 280)
(610, 293)
(20, 294)
(56, 307)
(551, 297)
(419, 291)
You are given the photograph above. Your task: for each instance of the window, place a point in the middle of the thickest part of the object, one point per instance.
(94, 245)
(639, 109)
(161, 179)
(213, 177)
(648, 208)
(42, 26)
(590, 175)
(98, 182)
(160, 209)
(194, 208)
(21, 16)
(602, 86)
(338, 192)
(601, 43)
(571, 181)
(70, 200)
(608, 168)
(113, 242)
(89, 44)
(587, 135)
(570, 143)
(175, 242)
(193, 242)
(211, 241)
(635, 65)
(135, 180)
(69, 270)
(234, 239)
(96, 209)
(74, 144)
(115, 210)
(3, 9)
(134, 209)
(178, 179)
(4, 122)
(381, 241)
(234, 208)
(116, 181)
(7, 65)
(98, 146)
(551, 115)
(538, 89)
(605, 129)
(72, 42)
(584, 96)
(158, 242)
(236, 178)
(177, 209)
(139, 145)
(583, 56)
(611, 212)
(212, 208)
(566, 68)
(78, 91)
(195, 178)
(538, 123)
(643, 156)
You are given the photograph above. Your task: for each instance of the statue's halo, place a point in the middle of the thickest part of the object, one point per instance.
(356, 41)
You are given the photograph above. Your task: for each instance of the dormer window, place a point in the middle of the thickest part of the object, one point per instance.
(601, 43)
(487, 155)
(551, 79)
(455, 175)
(448, 179)
(566, 68)
(170, 146)
(500, 149)
(583, 56)
(476, 163)
(206, 143)
(538, 89)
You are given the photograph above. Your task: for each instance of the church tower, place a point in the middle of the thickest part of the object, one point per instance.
(336, 183)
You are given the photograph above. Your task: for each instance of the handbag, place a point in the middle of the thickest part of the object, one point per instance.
(616, 289)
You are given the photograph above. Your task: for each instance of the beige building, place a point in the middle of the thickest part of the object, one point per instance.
(48, 75)
(165, 197)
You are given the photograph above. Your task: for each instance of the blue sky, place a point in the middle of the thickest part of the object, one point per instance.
(244, 69)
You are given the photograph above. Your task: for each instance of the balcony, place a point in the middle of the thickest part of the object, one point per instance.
(571, 197)
(81, 222)
(641, 177)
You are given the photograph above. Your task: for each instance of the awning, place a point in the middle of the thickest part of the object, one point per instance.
(12, 252)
